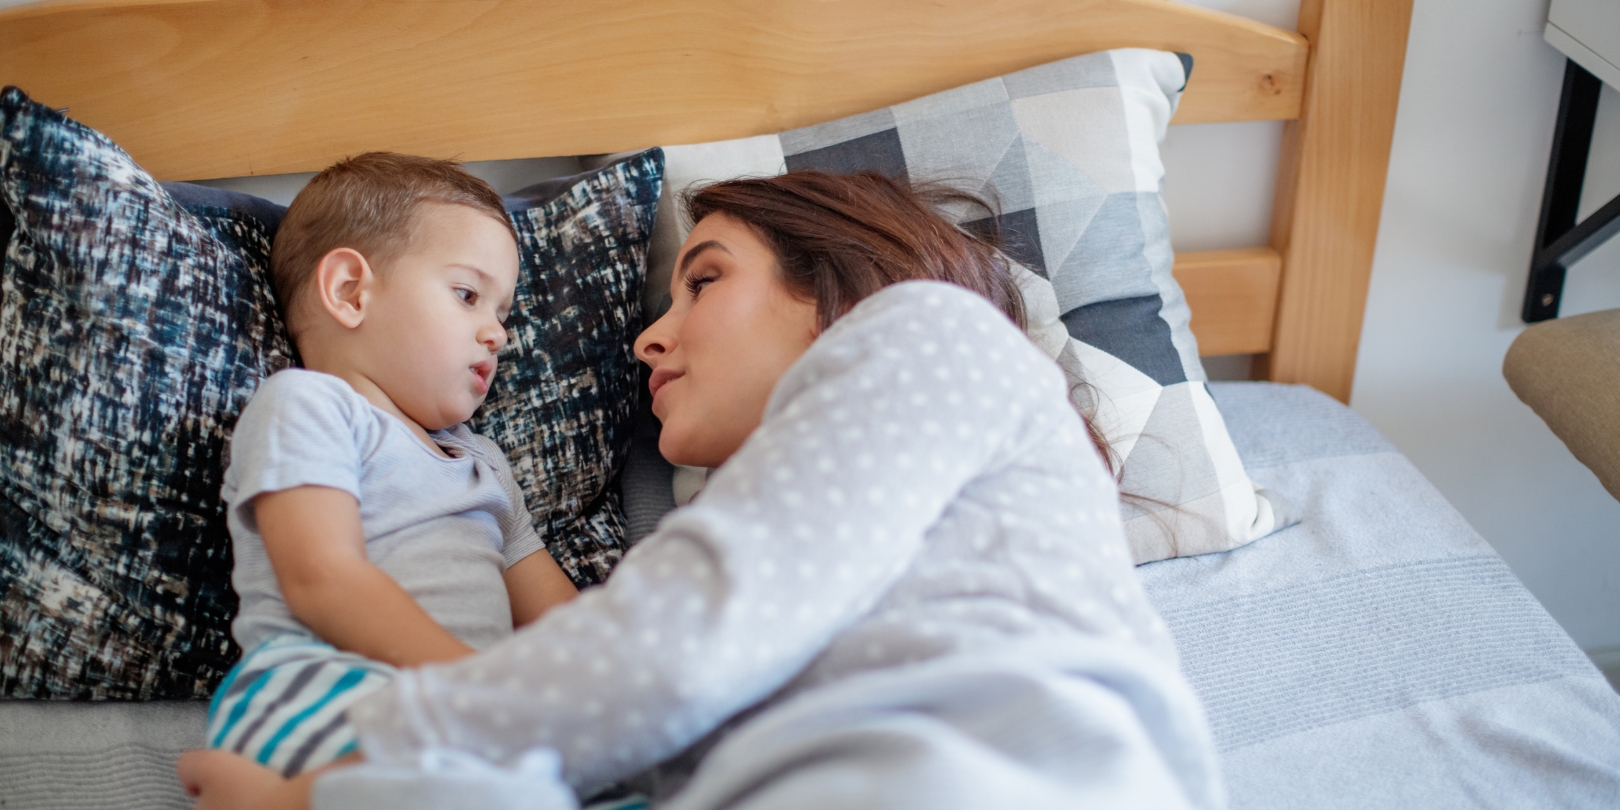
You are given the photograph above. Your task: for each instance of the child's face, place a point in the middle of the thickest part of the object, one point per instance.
(436, 317)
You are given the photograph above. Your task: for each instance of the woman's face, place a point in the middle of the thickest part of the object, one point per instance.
(732, 330)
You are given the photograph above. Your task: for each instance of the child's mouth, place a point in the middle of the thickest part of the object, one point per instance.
(483, 372)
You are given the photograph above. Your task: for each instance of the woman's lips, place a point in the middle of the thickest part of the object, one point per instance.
(660, 378)
(483, 372)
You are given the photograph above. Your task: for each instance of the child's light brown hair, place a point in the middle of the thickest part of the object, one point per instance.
(367, 203)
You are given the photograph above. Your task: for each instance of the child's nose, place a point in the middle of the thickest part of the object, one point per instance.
(493, 338)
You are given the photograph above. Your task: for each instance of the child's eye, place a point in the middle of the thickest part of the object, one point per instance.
(467, 296)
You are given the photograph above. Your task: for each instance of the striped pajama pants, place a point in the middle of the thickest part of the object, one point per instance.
(285, 704)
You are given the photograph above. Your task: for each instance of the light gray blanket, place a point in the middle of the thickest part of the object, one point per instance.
(1380, 653)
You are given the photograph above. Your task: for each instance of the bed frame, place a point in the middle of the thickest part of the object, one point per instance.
(198, 89)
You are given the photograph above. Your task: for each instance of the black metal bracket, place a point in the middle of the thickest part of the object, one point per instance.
(1560, 241)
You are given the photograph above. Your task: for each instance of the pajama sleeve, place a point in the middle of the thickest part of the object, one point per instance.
(865, 441)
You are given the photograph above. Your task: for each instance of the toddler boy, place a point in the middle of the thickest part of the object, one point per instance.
(371, 528)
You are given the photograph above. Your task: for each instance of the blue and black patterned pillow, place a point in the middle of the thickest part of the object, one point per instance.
(566, 389)
(135, 321)
(131, 332)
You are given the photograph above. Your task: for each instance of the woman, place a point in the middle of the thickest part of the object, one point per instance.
(905, 584)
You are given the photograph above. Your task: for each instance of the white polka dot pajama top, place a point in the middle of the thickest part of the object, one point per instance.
(909, 586)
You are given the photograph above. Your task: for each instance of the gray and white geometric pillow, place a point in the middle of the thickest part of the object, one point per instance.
(1069, 150)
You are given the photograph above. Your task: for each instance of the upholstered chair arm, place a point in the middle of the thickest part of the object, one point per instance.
(1568, 372)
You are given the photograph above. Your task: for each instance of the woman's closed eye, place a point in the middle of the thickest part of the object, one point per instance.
(696, 283)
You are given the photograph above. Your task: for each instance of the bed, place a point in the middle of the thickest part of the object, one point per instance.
(1378, 653)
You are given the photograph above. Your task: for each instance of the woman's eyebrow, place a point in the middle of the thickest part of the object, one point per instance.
(686, 261)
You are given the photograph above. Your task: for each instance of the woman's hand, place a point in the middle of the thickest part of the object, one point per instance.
(221, 780)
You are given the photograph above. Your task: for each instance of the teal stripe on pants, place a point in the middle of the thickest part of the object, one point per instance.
(350, 679)
(241, 707)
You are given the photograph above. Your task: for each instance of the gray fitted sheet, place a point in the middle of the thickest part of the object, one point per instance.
(1378, 654)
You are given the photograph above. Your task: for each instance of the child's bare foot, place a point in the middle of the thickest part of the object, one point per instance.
(221, 780)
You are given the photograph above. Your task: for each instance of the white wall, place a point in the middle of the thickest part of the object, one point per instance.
(1470, 156)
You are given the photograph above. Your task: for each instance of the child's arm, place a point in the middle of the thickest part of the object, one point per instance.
(317, 547)
(536, 584)
(534, 581)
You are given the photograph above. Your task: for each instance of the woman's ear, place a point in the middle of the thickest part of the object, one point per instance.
(343, 283)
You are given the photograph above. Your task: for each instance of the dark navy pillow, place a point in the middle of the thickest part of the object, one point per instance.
(216, 205)
(137, 318)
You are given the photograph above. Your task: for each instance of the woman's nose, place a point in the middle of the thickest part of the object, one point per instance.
(655, 341)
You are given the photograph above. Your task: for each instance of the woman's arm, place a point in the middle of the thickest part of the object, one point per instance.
(315, 542)
(865, 442)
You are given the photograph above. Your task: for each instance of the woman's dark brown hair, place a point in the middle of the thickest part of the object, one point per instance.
(839, 238)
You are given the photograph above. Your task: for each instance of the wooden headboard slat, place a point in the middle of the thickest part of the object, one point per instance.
(1330, 189)
(1233, 297)
(222, 88)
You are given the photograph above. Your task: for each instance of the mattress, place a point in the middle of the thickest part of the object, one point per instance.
(1377, 654)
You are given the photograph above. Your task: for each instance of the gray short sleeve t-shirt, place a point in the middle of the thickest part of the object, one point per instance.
(444, 528)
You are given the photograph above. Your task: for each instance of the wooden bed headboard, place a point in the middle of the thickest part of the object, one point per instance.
(197, 89)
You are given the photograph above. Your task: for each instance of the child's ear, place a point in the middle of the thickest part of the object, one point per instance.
(343, 283)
